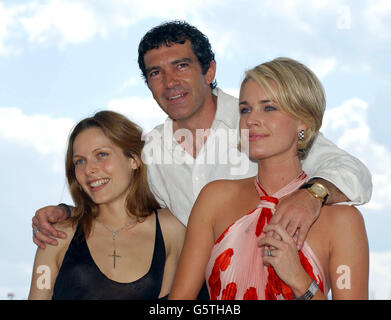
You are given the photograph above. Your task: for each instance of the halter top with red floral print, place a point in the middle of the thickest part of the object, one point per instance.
(235, 270)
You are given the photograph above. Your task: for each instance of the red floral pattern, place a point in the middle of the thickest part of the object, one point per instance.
(277, 289)
(221, 263)
(250, 294)
(229, 293)
(310, 271)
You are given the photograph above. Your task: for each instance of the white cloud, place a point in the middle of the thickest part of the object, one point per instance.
(377, 17)
(347, 126)
(70, 22)
(380, 275)
(143, 111)
(45, 134)
(322, 66)
(130, 82)
(48, 135)
(7, 16)
(65, 22)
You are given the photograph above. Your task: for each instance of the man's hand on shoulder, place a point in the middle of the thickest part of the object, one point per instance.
(42, 222)
(296, 213)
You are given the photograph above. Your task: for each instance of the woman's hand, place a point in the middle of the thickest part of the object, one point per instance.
(282, 255)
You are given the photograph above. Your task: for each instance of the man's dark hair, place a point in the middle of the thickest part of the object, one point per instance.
(177, 32)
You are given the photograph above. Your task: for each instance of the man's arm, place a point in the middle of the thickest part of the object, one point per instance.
(346, 178)
(335, 195)
(43, 222)
(348, 174)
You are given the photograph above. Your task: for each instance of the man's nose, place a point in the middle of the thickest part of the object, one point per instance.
(171, 79)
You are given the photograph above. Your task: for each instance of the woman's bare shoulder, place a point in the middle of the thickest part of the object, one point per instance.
(224, 190)
(344, 222)
(168, 220)
(340, 215)
(173, 230)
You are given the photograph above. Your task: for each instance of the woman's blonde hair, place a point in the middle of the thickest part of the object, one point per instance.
(127, 136)
(297, 90)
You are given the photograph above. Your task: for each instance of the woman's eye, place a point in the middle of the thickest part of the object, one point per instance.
(102, 154)
(270, 108)
(78, 162)
(244, 110)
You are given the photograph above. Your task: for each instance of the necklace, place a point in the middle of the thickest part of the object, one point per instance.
(114, 233)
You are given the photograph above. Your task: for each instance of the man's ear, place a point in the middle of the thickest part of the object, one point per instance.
(211, 73)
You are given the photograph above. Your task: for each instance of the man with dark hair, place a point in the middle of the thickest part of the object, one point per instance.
(198, 142)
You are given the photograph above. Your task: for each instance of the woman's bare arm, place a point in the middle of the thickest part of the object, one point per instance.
(198, 244)
(349, 254)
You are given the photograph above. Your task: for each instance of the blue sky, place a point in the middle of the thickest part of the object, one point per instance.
(62, 60)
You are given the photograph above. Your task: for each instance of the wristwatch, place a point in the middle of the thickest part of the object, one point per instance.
(67, 209)
(318, 190)
(309, 294)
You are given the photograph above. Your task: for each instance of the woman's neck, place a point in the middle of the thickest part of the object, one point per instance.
(275, 174)
(114, 214)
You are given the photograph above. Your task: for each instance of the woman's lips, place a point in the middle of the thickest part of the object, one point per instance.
(257, 136)
(98, 184)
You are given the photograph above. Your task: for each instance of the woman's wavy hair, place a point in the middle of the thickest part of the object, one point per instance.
(140, 201)
(177, 32)
(299, 92)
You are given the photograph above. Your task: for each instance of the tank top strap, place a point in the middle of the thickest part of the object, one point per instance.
(159, 253)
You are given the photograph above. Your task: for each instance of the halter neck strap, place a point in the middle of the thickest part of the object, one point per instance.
(290, 187)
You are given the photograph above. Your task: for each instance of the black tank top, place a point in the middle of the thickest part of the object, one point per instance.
(79, 278)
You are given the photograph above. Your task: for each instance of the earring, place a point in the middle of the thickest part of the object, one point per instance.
(301, 135)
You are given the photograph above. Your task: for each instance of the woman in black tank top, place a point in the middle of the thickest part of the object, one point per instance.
(119, 249)
(80, 278)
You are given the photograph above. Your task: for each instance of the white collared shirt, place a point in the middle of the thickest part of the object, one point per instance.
(176, 178)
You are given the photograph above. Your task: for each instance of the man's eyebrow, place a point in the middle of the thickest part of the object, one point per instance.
(188, 60)
(174, 62)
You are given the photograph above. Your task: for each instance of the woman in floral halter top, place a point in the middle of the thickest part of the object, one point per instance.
(229, 242)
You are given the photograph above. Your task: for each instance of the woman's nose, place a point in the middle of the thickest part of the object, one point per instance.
(91, 168)
(254, 118)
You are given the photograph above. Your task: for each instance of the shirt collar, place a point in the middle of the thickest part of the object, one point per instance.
(227, 111)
